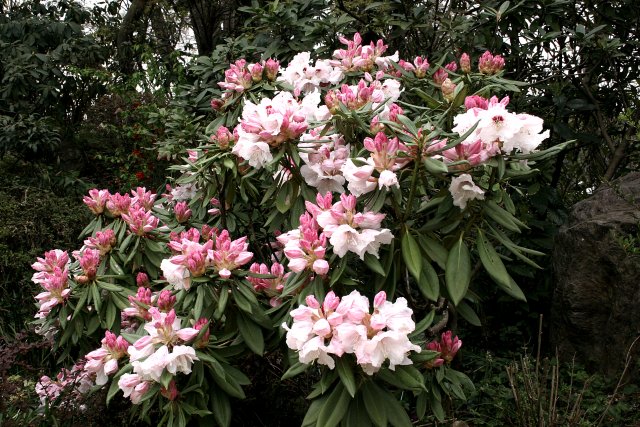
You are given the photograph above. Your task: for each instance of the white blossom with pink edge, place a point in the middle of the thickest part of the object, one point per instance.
(305, 77)
(520, 132)
(387, 156)
(347, 229)
(324, 158)
(272, 122)
(104, 361)
(463, 189)
(346, 326)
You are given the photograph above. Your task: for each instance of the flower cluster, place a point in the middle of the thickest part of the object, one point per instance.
(272, 122)
(52, 274)
(67, 386)
(306, 78)
(357, 57)
(134, 209)
(387, 156)
(271, 287)
(347, 229)
(447, 347)
(354, 97)
(497, 128)
(192, 258)
(163, 349)
(345, 325)
(104, 361)
(305, 248)
(323, 161)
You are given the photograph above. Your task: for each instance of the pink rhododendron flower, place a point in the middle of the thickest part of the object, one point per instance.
(447, 347)
(191, 260)
(134, 387)
(347, 229)
(463, 189)
(227, 255)
(305, 248)
(306, 78)
(236, 79)
(139, 304)
(489, 64)
(272, 122)
(271, 287)
(323, 161)
(89, 260)
(140, 220)
(385, 158)
(182, 212)
(56, 290)
(103, 241)
(346, 325)
(104, 361)
(465, 63)
(357, 57)
(118, 204)
(52, 259)
(419, 67)
(96, 200)
(497, 126)
(143, 198)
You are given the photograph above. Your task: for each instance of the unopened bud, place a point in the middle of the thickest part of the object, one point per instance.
(465, 63)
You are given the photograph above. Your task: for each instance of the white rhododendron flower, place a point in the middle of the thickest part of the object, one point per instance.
(463, 189)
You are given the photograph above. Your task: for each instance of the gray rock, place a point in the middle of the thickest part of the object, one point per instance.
(596, 304)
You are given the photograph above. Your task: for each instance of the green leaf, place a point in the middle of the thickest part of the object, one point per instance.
(346, 375)
(515, 291)
(295, 369)
(374, 264)
(374, 397)
(411, 254)
(458, 271)
(468, 314)
(491, 261)
(395, 412)
(110, 315)
(429, 284)
(335, 407)
(251, 333)
(434, 250)
(221, 408)
(434, 166)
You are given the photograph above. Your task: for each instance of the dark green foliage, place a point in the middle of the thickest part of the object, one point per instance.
(50, 75)
(32, 221)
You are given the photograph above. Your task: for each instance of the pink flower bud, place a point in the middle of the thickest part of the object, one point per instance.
(256, 72)
(142, 280)
(217, 104)
(379, 299)
(312, 302)
(331, 302)
(172, 392)
(465, 63)
(448, 89)
(165, 301)
(439, 76)
(271, 68)
(182, 212)
(476, 101)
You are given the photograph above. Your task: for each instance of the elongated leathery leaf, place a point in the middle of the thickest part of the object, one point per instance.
(458, 271)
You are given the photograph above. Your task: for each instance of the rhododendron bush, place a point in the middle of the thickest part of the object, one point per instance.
(335, 211)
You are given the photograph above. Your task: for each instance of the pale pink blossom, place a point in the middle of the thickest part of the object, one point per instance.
(323, 158)
(140, 220)
(463, 189)
(103, 241)
(52, 259)
(143, 198)
(357, 57)
(104, 361)
(228, 255)
(306, 78)
(96, 200)
(134, 387)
